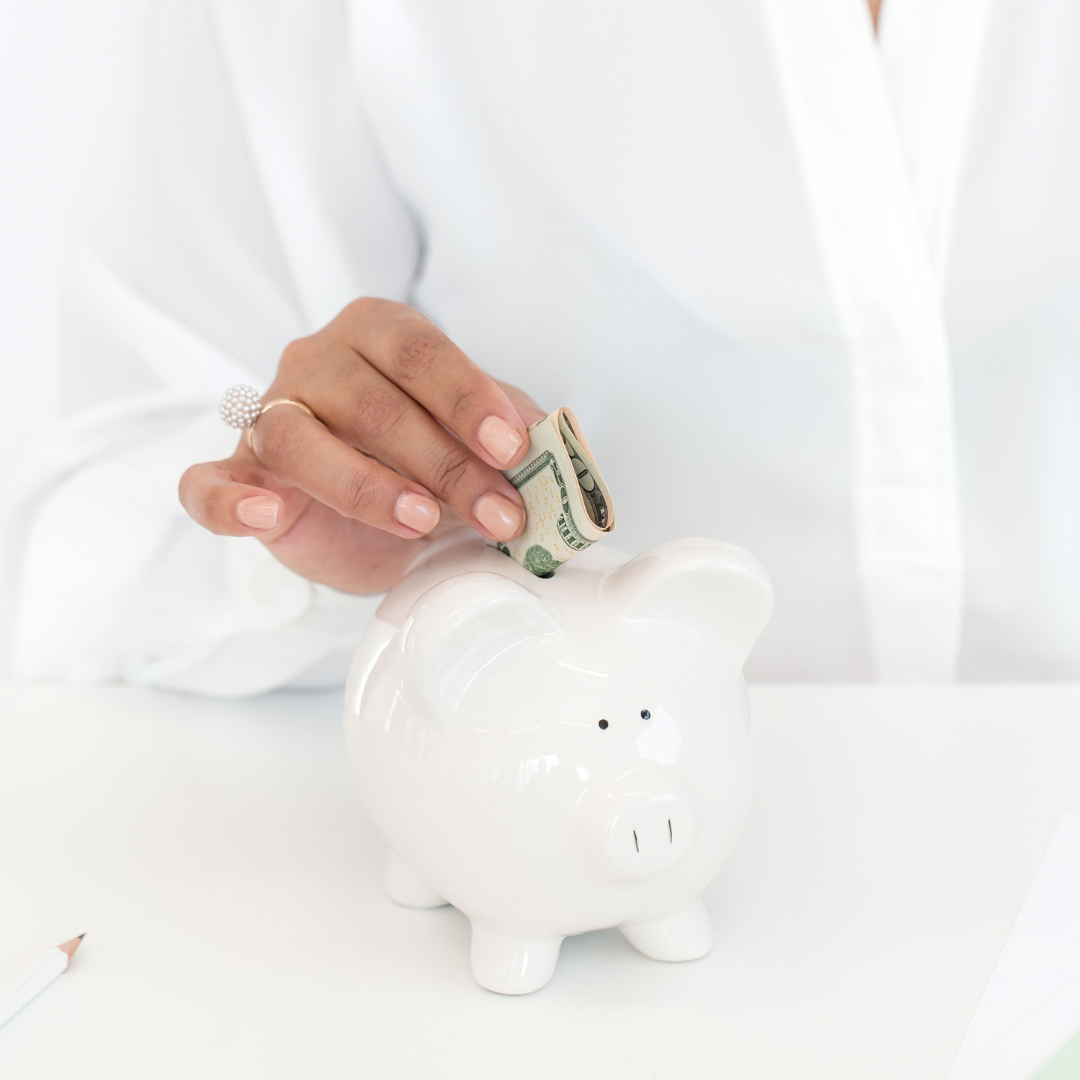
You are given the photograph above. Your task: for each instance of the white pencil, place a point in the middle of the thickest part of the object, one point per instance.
(25, 987)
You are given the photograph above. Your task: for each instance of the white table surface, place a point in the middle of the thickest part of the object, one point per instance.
(217, 856)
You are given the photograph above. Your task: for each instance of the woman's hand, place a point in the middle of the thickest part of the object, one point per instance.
(408, 421)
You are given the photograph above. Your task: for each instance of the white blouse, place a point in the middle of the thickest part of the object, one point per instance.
(808, 290)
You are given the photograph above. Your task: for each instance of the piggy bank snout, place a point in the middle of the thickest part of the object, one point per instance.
(646, 833)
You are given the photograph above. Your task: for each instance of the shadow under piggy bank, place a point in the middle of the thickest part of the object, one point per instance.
(561, 755)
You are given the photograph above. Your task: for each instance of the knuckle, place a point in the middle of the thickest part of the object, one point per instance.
(379, 411)
(462, 400)
(192, 495)
(365, 308)
(189, 482)
(450, 471)
(359, 488)
(280, 435)
(416, 355)
(297, 355)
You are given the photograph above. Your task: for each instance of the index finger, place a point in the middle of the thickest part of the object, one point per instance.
(414, 353)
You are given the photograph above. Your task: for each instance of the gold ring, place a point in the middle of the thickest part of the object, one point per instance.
(268, 406)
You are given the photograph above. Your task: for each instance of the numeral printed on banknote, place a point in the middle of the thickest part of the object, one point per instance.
(567, 503)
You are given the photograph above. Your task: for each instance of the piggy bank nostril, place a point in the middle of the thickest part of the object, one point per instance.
(648, 834)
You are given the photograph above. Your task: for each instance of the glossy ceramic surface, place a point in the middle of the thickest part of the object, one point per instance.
(562, 755)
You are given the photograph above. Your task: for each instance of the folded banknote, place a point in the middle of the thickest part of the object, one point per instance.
(567, 503)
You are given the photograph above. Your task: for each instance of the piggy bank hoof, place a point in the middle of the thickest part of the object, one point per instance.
(406, 887)
(512, 965)
(685, 934)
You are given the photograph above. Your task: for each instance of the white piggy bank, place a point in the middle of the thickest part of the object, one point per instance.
(561, 755)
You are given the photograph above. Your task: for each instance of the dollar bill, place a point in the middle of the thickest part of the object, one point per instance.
(567, 503)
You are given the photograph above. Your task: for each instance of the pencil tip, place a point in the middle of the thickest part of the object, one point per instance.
(70, 946)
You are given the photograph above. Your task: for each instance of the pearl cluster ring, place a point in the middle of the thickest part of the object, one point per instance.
(240, 406)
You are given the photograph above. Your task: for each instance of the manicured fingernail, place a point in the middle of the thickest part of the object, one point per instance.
(499, 516)
(258, 512)
(499, 439)
(416, 511)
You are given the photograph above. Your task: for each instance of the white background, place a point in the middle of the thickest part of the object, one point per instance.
(55, 59)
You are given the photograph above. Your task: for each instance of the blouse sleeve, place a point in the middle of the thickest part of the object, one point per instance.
(233, 199)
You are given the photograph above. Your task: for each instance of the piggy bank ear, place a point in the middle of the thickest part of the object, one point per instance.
(717, 591)
(456, 629)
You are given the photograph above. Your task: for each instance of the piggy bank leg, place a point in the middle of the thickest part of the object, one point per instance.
(512, 965)
(685, 934)
(405, 886)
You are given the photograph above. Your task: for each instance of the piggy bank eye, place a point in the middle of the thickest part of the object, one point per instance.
(603, 725)
(645, 714)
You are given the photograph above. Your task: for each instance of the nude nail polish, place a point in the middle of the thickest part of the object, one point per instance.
(499, 516)
(416, 511)
(258, 512)
(499, 439)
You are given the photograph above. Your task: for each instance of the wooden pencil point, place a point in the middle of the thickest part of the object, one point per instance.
(41, 973)
(70, 946)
